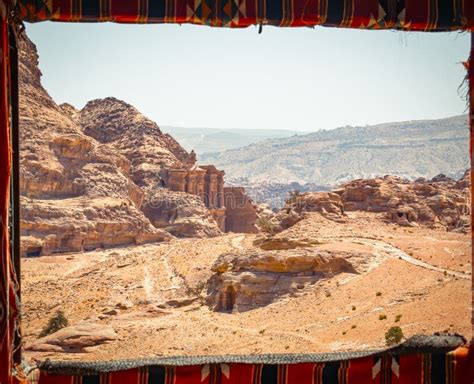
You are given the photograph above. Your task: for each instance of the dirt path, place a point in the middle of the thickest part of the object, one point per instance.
(398, 253)
(176, 281)
(148, 285)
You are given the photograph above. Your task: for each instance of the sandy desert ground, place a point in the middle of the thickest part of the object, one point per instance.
(154, 296)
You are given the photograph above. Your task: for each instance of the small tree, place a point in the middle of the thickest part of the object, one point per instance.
(393, 336)
(294, 195)
(55, 323)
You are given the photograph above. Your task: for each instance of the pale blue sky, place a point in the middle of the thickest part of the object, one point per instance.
(301, 79)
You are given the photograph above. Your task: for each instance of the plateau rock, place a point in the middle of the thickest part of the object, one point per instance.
(439, 202)
(242, 282)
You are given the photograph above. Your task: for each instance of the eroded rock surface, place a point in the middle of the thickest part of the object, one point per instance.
(328, 204)
(250, 280)
(440, 202)
(76, 338)
(241, 213)
(86, 175)
(123, 129)
(180, 213)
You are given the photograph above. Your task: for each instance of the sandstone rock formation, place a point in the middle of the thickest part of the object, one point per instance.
(180, 213)
(328, 204)
(440, 202)
(76, 193)
(123, 129)
(437, 203)
(241, 213)
(82, 224)
(86, 175)
(75, 338)
(254, 279)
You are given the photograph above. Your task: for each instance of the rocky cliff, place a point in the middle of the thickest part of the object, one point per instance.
(85, 174)
(123, 129)
(439, 203)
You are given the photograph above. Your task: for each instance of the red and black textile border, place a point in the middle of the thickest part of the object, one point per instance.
(408, 15)
(9, 311)
(412, 15)
(455, 367)
(470, 74)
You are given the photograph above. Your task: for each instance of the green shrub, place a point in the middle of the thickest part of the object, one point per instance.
(393, 336)
(55, 323)
(196, 290)
(266, 225)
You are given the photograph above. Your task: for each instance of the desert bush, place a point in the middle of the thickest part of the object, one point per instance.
(397, 318)
(55, 323)
(196, 290)
(382, 316)
(266, 225)
(393, 336)
(378, 294)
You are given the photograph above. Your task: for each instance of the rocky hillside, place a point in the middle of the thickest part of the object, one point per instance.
(440, 203)
(123, 129)
(86, 175)
(409, 149)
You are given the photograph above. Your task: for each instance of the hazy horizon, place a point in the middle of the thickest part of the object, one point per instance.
(299, 79)
(309, 130)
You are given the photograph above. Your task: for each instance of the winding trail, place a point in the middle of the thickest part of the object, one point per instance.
(398, 253)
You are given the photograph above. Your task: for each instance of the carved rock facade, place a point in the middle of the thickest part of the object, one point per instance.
(230, 207)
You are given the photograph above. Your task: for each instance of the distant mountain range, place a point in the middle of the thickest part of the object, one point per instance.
(410, 149)
(207, 140)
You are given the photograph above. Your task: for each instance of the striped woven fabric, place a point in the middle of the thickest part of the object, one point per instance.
(410, 15)
(8, 300)
(455, 367)
(415, 15)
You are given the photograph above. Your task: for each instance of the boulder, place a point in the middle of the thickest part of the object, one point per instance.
(75, 338)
